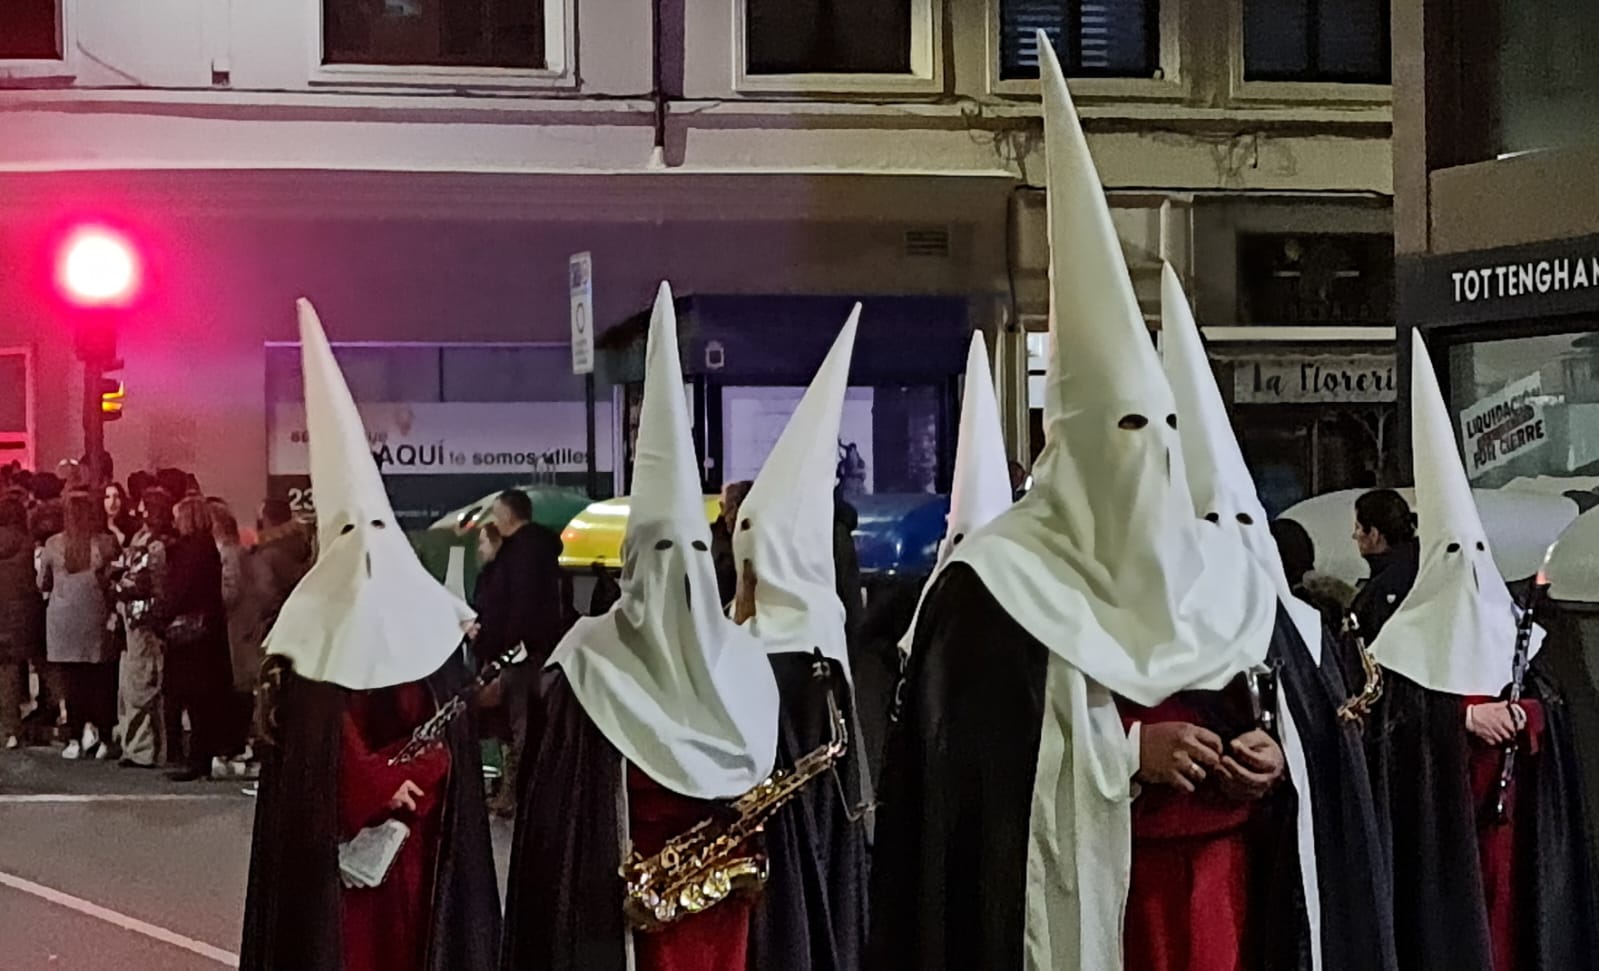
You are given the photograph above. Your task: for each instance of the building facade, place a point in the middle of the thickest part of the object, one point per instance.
(1497, 226)
(424, 169)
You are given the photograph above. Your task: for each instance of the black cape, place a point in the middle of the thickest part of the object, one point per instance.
(1352, 870)
(292, 907)
(949, 876)
(564, 896)
(1419, 757)
(812, 916)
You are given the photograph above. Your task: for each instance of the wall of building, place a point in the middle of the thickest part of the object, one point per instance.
(427, 205)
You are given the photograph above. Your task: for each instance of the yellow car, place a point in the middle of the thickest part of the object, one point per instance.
(594, 536)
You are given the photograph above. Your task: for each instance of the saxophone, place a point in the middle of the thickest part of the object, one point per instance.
(710, 863)
(1357, 708)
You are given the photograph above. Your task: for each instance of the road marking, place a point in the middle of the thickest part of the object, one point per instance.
(225, 958)
(113, 797)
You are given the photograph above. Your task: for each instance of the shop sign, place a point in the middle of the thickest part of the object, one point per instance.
(1545, 279)
(517, 439)
(1318, 379)
(1504, 426)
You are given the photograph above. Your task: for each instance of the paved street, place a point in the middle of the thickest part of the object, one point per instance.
(108, 869)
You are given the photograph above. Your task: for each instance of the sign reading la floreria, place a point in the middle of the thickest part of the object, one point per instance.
(1319, 379)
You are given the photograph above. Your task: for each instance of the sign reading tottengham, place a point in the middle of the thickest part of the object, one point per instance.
(1531, 281)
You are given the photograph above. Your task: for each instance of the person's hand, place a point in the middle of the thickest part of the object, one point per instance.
(473, 630)
(1496, 722)
(1253, 765)
(1177, 754)
(406, 796)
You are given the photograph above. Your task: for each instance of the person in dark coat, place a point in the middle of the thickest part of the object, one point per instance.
(198, 674)
(847, 564)
(283, 547)
(519, 604)
(366, 652)
(21, 618)
(1385, 532)
(1479, 781)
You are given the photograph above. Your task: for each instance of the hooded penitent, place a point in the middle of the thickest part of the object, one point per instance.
(1218, 480)
(1224, 494)
(368, 615)
(1105, 565)
(1456, 630)
(1104, 561)
(981, 488)
(676, 687)
(785, 527)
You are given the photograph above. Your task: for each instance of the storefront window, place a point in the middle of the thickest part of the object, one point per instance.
(1527, 406)
(448, 424)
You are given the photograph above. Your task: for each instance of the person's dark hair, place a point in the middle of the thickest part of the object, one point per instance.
(80, 524)
(13, 514)
(1296, 548)
(276, 512)
(175, 482)
(518, 503)
(1387, 512)
(157, 503)
(47, 486)
(139, 481)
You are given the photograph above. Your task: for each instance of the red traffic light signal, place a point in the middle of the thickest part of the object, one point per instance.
(111, 395)
(98, 268)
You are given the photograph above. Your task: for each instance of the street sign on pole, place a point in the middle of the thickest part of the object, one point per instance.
(580, 286)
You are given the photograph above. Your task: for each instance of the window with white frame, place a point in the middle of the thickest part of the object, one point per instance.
(30, 30)
(1093, 38)
(839, 37)
(1337, 41)
(436, 33)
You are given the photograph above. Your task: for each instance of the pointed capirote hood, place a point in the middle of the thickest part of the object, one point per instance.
(1572, 565)
(368, 615)
(1219, 482)
(1104, 561)
(682, 692)
(785, 527)
(1455, 632)
(981, 488)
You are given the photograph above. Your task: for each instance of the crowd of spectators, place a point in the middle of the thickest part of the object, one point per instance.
(132, 617)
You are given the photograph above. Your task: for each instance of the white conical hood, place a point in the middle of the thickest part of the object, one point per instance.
(368, 614)
(1103, 561)
(1455, 632)
(981, 489)
(785, 527)
(675, 686)
(1572, 566)
(1218, 480)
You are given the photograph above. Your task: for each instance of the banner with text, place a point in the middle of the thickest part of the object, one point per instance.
(1318, 379)
(521, 439)
(1504, 425)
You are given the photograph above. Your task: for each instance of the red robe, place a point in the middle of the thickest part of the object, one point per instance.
(1188, 902)
(1496, 840)
(385, 928)
(716, 940)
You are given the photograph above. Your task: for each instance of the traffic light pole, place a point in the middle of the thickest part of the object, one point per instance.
(93, 425)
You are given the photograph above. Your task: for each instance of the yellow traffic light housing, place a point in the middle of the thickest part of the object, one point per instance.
(111, 394)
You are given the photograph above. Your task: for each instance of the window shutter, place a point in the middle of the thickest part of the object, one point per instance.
(1094, 38)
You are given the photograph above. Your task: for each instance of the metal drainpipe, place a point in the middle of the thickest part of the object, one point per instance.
(657, 85)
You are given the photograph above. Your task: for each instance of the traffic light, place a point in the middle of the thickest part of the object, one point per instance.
(111, 395)
(97, 268)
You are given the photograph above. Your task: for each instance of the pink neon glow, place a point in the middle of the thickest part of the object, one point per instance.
(97, 267)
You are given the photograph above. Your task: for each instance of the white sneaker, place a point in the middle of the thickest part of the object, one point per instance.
(13, 742)
(90, 745)
(73, 750)
(251, 791)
